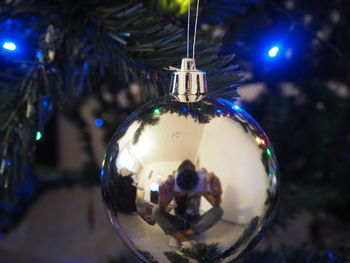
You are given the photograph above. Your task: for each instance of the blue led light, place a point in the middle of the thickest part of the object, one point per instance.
(184, 109)
(330, 255)
(273, 51)
(219, 111)
(86, 65)
(99, 122)
(45, 102)
(9, 46)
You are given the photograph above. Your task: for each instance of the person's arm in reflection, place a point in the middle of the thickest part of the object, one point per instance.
(166, 193)
(214, 196)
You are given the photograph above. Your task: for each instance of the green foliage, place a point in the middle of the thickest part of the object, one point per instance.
(175, 257)
(204, 253)
(303, 253)
(244, 238)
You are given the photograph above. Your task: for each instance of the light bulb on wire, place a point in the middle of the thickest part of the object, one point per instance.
(9, 45)
(273, 52)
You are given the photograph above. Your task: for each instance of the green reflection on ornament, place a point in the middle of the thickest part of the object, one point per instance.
(268, 151)
(157, 111)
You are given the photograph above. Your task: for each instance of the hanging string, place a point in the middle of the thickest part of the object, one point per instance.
(195, 31)
(188, 28)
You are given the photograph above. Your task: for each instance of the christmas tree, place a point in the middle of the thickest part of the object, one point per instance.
(57, 56)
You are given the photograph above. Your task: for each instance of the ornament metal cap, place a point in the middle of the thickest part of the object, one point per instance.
(188, 84)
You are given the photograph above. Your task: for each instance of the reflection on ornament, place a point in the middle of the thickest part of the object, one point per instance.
(153, 142)
(268, 151)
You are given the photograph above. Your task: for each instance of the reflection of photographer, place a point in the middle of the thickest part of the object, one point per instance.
(186, 188)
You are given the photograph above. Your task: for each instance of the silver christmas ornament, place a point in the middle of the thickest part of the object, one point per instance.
(190, 174)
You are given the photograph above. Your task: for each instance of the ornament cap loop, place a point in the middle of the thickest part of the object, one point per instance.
(188, 84)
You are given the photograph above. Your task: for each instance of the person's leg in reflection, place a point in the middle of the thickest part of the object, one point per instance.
(211, 217)
(205, 221)
(172, 225)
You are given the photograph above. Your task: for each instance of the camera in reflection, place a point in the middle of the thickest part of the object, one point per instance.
(189, 180)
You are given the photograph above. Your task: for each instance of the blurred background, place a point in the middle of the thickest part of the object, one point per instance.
(71, 72)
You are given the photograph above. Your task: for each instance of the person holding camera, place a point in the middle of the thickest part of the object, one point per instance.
(186, 189)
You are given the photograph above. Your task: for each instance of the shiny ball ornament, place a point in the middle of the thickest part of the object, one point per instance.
(180, 175)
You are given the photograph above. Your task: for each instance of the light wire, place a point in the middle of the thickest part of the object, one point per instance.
(188, 28)
(195, 31)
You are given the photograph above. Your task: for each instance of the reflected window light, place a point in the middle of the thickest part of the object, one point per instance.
(154, 187)
(125, 160)
(144, 146)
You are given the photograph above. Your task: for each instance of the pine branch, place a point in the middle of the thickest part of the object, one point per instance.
(81, 41)
(216, 11)
(204, 253)
(336, 253)
(174, 257)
